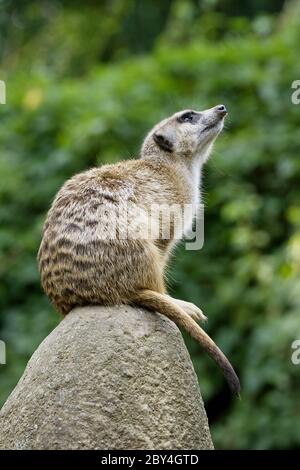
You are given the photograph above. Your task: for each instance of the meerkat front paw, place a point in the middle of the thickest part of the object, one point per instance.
(192, 310)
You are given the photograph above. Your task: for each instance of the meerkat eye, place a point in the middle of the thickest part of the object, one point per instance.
(189, 116)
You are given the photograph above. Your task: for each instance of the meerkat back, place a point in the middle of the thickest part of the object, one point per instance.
(88, 254)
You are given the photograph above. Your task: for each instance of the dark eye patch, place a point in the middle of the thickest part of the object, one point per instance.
(189, 116)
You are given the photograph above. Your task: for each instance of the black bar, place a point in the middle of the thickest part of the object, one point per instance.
(136, 459)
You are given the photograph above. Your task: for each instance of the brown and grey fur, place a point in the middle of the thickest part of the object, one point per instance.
(80, 264)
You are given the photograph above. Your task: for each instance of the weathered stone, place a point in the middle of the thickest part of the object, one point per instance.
(107, 378)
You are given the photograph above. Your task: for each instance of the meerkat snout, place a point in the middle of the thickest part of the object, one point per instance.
(222, 108)
(187, 133)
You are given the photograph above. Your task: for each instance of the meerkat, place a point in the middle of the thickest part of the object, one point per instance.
(81, 263)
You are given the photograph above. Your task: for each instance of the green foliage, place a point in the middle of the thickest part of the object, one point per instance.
(247, 277)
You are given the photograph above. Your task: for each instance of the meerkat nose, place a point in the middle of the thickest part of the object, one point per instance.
(221, 108)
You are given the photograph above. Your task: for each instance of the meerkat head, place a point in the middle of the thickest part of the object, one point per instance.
(186, 134)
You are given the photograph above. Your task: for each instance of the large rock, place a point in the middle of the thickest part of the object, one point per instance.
(107, 378)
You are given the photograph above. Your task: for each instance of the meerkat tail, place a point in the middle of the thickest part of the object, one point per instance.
(163, 304)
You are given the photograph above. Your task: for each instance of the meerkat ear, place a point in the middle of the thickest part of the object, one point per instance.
(164, 139)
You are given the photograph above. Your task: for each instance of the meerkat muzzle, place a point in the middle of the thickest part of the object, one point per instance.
(221, 110)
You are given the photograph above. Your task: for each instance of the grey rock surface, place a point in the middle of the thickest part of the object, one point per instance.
(107, 378)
